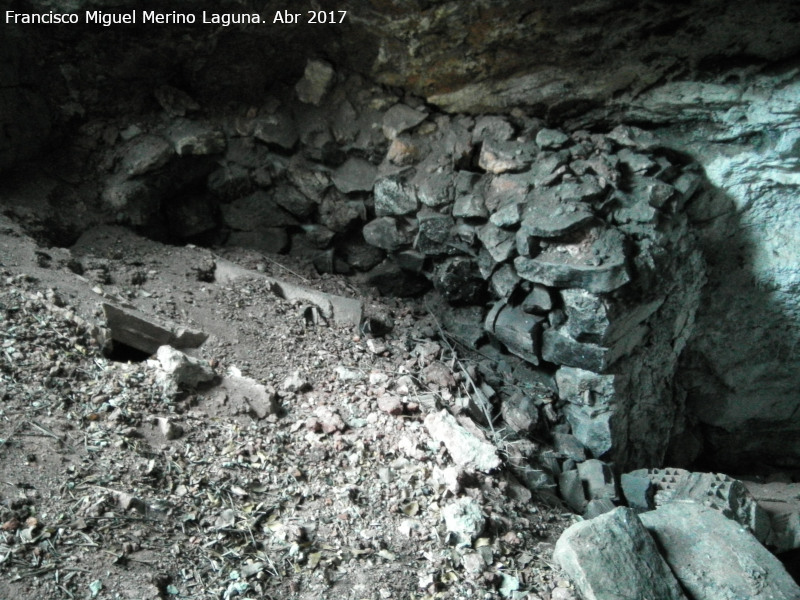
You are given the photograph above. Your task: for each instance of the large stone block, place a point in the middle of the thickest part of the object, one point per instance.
(498, 242)
(586, 388)
(386, 233)
(716, 559)
(434, 236)
(519, 331)
(593, 428)
(613, 557)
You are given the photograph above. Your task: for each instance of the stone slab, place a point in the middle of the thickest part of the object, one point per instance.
(612, 557)
(137, 330)
(547, 216)
(714, 558)
(596, 263)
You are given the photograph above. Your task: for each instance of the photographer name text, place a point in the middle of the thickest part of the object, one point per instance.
(152, 17)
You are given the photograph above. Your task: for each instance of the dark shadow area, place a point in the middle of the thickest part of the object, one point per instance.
(123, 353)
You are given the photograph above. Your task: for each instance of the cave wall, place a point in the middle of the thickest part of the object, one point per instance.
(717, 81)
(742, 368)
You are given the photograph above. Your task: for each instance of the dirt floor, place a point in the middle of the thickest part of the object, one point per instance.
(114, 484)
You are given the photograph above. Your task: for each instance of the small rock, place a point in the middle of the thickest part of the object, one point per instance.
(378, 378)
(345, 374)
(439, 374)
(169, 429)
(473, 563)
(520, 413)
(317, 80)
(296, 383)
(561, 593)
(376, 346)
(449, 478)
(403, 152)
(226, 519)
(253, 568)
(465, 448)
(129, 501)
(329, 420)
(184, 370)
(400, 118)
(390, 404)
(464, 519)
(551, 139)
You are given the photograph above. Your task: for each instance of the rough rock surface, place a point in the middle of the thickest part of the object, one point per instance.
(714, 558)
(466, 449)
(613, 556)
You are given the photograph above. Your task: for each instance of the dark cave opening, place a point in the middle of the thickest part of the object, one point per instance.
(124, 353)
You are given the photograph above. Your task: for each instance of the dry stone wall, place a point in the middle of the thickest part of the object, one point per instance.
(570, 251)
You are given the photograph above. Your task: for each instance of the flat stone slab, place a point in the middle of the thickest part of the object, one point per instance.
(145, 153)
(714, 558)
(548, 217)
(612, 557)
(137, 330)
(596, 263)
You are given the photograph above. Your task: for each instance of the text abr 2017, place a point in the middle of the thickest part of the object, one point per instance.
(312, 17)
